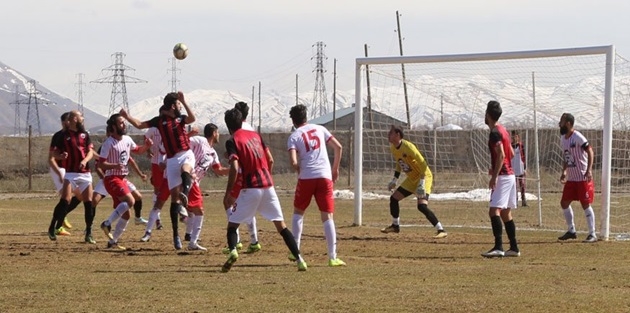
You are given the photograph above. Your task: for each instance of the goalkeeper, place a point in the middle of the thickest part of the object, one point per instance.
(418, 180)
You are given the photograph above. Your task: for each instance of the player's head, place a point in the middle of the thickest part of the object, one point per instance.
(493, 112)
(567, 121)
(395, 135)
(75, 121)
(116, 125)
(233, 120)
(170, 105)
(515, 137)
(64, 120)
(298, 115)
(243, 107)
(211, 132)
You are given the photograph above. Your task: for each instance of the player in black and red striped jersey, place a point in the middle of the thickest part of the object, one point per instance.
(74, 149)
(502, 184)
(180, 160)
(247, 151)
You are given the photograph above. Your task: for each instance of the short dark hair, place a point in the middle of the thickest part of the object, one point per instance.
(514, 132)
(233, 119)
(398, 130)
(64, 116)
(569, 118)
(298, 114)
(494, 110)
(209, 129)
(169, 100)
(243, 107)
(111, 122)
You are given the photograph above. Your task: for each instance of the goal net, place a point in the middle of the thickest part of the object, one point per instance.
(440, 101)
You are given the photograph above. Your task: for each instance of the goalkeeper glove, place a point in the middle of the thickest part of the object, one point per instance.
(392, 184)
(420, 191)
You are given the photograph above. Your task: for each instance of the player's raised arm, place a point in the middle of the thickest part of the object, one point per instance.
(190, 116)
(134, 121)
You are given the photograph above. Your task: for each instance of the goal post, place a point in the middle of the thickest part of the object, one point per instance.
(507, 77)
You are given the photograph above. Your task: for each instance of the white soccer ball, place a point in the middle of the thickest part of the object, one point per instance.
(180, 51)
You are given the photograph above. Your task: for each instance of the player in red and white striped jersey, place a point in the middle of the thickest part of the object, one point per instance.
(206, 158)
(502, 184)
(309, 157)
(577, 177)
(115, 154)
(158, 178)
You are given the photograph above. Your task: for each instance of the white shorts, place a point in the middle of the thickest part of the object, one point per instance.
(79, 181)
(174, 167)
(58, 183)
(504, 194)
(100, 188)
(256, 200)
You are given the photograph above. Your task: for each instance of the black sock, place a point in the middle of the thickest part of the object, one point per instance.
(174, 217)
(89, 216)
(74, 202)
(394, 208)
(424, 208)
(497, 231)
(137, 208)
(290, 242)
(510, 230)
(186, 182)
(232, 237)
(59, 214)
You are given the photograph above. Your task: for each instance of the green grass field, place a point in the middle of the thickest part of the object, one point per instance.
(405, 272)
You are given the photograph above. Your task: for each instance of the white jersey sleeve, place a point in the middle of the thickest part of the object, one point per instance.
(153, 134)
(309, 141)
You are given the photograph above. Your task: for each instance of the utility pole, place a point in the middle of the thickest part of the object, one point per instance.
(80, 91)
(369, 90)
(259, 103)
(119, 83)
(320, 102)
(296, 89)
(173, 71)
(334, 94)
(253, 107)
(403, 71)
(17, 129)
(442, 110)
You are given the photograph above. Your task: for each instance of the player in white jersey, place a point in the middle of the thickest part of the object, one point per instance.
(158, 179)
(115, 154)
(577, 177)
(206, 158)
(309, 157)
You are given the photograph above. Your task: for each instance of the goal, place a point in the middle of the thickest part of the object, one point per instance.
(440, 102)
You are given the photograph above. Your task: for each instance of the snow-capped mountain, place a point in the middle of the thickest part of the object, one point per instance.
(49, 106)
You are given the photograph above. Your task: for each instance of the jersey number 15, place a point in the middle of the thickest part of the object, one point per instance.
(311, 137)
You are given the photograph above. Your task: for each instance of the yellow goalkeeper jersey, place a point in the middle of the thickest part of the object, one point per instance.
(410, 161)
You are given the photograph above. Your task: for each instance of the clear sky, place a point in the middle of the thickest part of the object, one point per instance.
(235, 44)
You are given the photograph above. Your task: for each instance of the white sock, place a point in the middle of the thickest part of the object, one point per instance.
(396, 220)
(439, 226)
(568, 216)
(253, 231)
(331, 238)
(154, 215)
(296, 228)
(197, 222)
(120, 228)
(118, 212)
(590, 220)
(189, 223)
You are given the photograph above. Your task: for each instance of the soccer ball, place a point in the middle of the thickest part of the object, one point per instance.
(180, 51)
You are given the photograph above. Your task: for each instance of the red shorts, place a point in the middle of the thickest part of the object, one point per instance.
(157, 175)
(583, 191)
(164, 192)
(195, 198)
(238, 185)
(321, 188)
(117, 187)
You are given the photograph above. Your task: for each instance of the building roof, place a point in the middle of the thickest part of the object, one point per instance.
(328, 117)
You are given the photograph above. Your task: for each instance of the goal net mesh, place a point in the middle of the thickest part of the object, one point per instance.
(442, 111)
